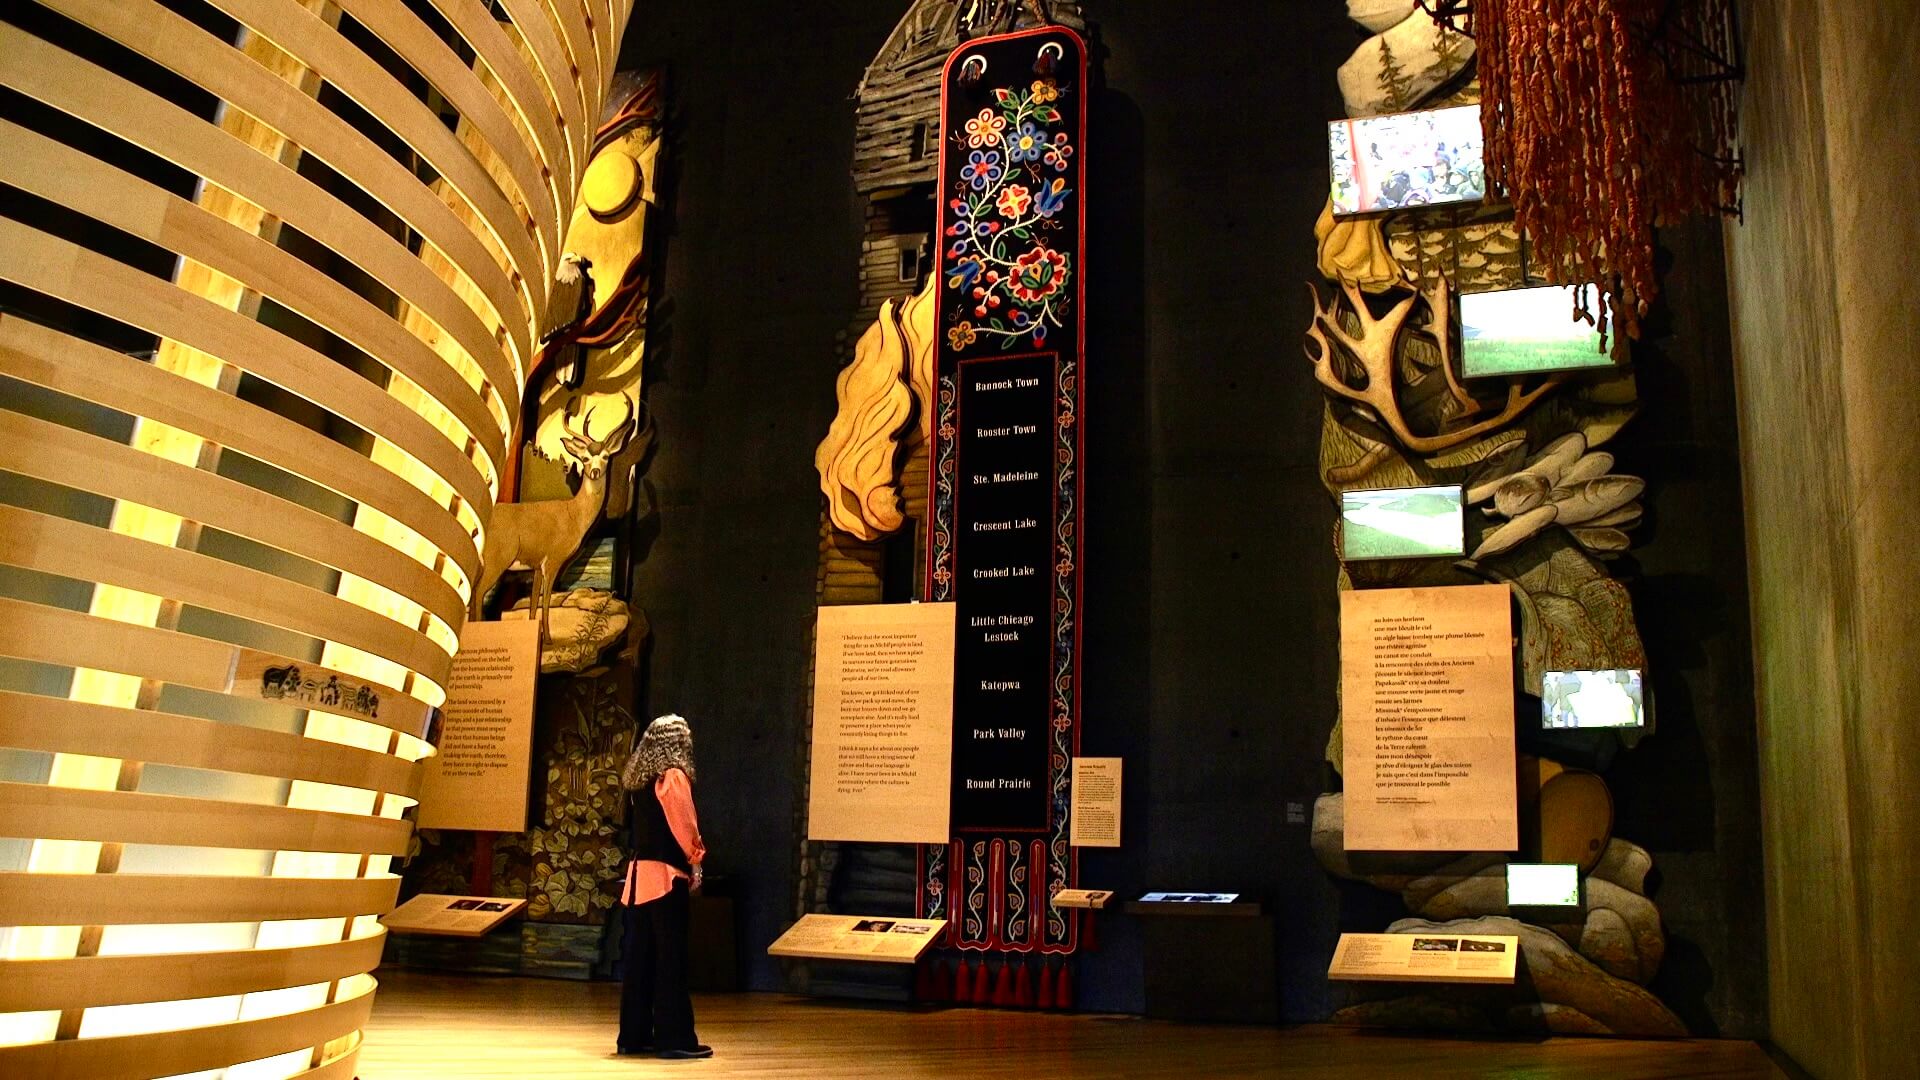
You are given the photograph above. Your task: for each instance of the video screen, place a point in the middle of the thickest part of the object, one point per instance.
(1591, 699)
(1543, 885)
(1190, 898)
(1401, 523)
(1526, 331)
(1412, 159)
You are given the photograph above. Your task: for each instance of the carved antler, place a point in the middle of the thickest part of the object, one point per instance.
(1372, 353)
(582, 441)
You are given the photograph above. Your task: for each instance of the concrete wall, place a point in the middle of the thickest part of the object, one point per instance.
(1822, 279)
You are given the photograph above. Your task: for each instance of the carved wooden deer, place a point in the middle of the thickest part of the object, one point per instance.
(544, 536)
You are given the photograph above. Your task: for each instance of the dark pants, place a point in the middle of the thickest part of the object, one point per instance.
(655, 1008)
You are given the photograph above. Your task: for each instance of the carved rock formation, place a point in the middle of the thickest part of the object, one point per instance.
(1396, 68)
(1558, 990)
(581, 625)
(1378, 15)
(1619, 930)
(1573, 617)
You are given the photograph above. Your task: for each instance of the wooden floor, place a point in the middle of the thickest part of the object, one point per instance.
(474, 1028)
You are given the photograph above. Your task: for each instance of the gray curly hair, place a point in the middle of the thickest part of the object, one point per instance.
(667, 744)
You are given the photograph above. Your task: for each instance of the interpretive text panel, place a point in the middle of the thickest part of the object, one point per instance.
(1426, 683)
(478, 780)
(1096, 802)
(1444, 958)
(882, 723)
(884, 939)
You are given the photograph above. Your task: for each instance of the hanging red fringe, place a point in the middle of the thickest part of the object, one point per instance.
(962, 983)
(1045, 998)
(1063, 992)
(1023, 987)
(1603, 119)
(982, 993)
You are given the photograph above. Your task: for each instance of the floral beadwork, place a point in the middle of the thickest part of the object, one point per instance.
(1003, 264)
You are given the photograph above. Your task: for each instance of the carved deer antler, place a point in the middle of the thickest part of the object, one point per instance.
(1371, 355)
(544, 536)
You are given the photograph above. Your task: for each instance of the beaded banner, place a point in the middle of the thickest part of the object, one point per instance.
(1005, 541)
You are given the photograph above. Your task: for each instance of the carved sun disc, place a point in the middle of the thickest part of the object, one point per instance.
(611, 182)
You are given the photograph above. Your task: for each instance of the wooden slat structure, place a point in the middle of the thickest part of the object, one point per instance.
(258, 375)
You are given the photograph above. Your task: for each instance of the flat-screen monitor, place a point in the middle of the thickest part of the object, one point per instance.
(1401, 523)
(1591, 699)
(1527, 331)
(1190, 898)
(1402, 160)
(1543, 885)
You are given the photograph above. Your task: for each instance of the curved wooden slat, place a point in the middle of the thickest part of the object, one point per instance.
(43, 811)
(78, 982)
(479, 204)
(170, 1053)
(190, 52)
(542, 39)
(52, 170)
(355, 74)
(57, 78)
(62, 455)
(61, 725)
(84, 552)
(145, 899)
(80, 277)
(51, 635)
(344, 1067)
(578, 39)
(46, 357)
(407, 36)
(535, 106)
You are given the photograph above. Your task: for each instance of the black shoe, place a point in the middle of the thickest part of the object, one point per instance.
(687, 1054)
(624, 1050)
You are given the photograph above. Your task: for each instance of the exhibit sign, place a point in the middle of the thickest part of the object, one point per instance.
(882, 938)
(1427, 720)
(1402, 523)
(452, 916)
(1554, 885)
(1591, 699)
(478, 780)
(1438, 958)
(1530, 331)
(1096, 802)
(1406, 160)
(1007, 455)
(1084, 899)
(882, 724)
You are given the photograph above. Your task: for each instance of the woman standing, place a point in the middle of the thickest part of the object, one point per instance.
(656, 1012)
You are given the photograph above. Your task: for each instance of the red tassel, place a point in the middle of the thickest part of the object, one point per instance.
(1046, 988)
(1023, 987)
(1063, 995)
(1003, 985)
(1089, 932)
(962, 984)
(982, 993)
